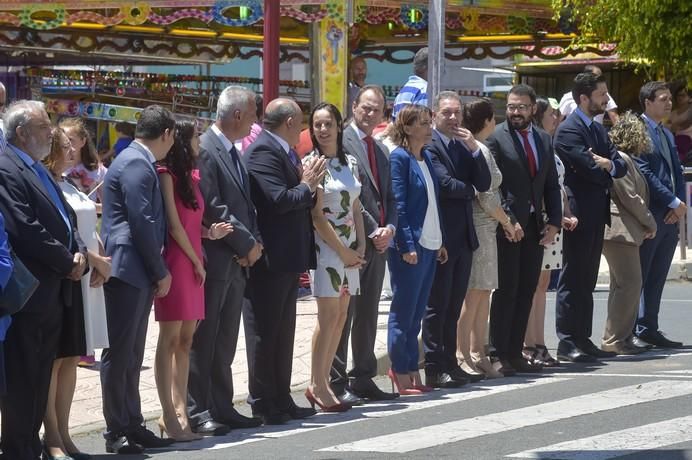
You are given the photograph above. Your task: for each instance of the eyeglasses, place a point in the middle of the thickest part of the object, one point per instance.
(519, 107)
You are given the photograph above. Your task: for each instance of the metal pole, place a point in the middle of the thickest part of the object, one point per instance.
(436, 47)
(270, 60)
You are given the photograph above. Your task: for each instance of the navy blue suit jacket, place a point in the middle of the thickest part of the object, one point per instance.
(37, 232)
(411, 197)
(587, 185)
(283, 207)
(133, 229)
(655, 169)
(458, 172)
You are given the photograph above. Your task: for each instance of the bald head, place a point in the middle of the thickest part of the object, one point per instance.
(359, 70)
(284, 118)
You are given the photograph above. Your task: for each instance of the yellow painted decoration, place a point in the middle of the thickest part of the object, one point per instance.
(333, 41)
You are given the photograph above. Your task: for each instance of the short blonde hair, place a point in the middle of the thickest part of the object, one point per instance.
(630, 135)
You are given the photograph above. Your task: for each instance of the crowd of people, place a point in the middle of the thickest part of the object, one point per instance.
(213, 228)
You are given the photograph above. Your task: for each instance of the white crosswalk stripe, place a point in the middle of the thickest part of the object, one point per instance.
(617, 443)
(450, 432)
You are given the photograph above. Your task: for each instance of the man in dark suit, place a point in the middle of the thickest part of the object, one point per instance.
(667, 203)
(591, 162)
(226, 189)
(379, 218)
(42, 230)
(133, 233)
(282, 190)
(461, 170)
(524, 154)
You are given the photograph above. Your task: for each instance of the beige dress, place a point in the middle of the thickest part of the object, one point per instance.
(484, 264)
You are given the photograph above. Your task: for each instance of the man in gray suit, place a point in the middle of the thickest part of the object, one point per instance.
(226, 189)
(379, 216)
(133, 233)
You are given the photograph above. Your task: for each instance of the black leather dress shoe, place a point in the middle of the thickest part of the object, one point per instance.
(460, 375)
(568, 351)
(589, 348)
(123, 445)
(442, 380)
(350, 399)
(523, 366)
(235, 420)
(639, 343)
(272, 418)
(147, 439)
(657, 339)
(299, 413)
(211, 428)
(368, 390)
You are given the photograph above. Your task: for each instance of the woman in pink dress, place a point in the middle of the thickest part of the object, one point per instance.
(179, 311)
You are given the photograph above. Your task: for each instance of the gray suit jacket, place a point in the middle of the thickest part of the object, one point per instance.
(370, 196)
(226, 199)
(134, 221)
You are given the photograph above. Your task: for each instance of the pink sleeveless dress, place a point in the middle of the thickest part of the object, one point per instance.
(185, 300)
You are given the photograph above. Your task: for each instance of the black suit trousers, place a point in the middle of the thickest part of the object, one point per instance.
(442, 312)
(127, 313)
(210, 387)
(30, 348)
(581, 252)
(519, 266)
(270, 324)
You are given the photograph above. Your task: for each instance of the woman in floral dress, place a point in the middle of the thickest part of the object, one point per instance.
(340, 246)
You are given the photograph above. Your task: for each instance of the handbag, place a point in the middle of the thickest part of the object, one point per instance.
(19, 289)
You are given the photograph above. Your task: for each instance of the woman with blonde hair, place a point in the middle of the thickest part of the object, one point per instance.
(417, 244)
(84, 322)
(631, 224)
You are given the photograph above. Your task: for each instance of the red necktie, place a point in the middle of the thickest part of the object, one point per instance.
(529, 152)
(370, 142)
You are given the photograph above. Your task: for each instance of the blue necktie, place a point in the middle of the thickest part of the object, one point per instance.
(236, 161)
(52, 190)
(295, 160)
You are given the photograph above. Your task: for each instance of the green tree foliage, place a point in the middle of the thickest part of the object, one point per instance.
(657, 33)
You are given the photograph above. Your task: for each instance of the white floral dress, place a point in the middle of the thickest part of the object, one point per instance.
(341, 187)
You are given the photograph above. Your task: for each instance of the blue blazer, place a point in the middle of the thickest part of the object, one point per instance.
(460, 174)
(655, 169)
(587, 185)
(133, 229)
(411, 197)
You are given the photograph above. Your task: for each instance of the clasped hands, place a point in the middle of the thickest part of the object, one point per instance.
(79, 264)
(676, 214)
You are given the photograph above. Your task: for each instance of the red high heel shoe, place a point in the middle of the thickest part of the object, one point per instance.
(402, 391)
(421, 387)
(341, 407)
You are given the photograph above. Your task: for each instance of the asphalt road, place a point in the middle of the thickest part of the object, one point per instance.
(628, 407)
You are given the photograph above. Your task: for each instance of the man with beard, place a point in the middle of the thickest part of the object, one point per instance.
(591, 162)
(524, 155)
(42, 230)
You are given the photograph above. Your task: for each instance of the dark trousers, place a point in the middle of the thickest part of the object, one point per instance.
(442, 312)
(127, 313)
(519, 266)
(410, 288)
(210, 386)
(270, 324)
(655, 256)
(30, 348)
(361, 325)
(581, 254)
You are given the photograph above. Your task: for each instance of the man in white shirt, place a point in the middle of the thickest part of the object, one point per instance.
(567, 104)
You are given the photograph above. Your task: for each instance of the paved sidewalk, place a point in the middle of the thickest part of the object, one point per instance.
(86, 412)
